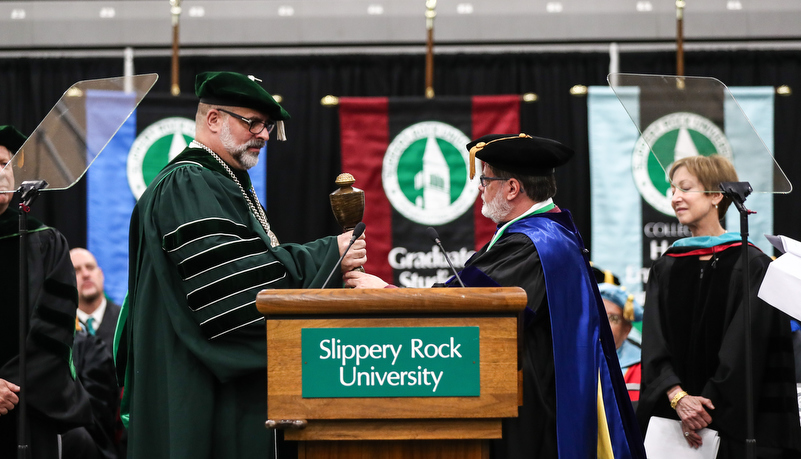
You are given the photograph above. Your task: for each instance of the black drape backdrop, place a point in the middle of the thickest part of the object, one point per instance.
(301, 171)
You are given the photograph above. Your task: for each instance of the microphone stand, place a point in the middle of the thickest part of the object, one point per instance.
(28, 192)
(357, 233)
(432, 233)
(738, 191)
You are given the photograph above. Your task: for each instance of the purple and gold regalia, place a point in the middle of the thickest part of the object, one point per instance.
(575, 403)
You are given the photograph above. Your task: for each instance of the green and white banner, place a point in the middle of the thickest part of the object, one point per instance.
(632, 220)
(408, 155)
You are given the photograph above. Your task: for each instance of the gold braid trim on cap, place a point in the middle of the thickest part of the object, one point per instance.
(480, 146)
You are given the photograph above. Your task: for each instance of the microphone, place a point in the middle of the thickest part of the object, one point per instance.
(432, 233)
(357, 232)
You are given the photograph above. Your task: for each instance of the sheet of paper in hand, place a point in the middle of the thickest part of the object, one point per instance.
(665, 440)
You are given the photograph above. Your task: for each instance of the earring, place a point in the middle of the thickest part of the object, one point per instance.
(716, 206)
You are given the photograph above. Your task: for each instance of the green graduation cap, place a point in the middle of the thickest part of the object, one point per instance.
(11, 138)
(238, 90)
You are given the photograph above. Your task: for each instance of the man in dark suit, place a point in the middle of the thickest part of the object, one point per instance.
(96, 314)
(93, 350)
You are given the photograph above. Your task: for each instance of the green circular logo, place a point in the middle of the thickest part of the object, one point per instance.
(672, 137)
(425, 173)
(154, 148)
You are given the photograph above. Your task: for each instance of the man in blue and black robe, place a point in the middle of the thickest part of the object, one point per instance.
(575, 403)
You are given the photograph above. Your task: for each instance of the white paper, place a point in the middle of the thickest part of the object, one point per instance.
(785, 244)
(791, 246)
(781, 287)
(665, 440)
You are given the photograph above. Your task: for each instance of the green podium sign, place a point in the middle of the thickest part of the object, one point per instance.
(390, 362)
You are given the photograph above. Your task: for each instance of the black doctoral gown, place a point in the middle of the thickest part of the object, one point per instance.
(568, 359)
(513, 261)
(56, 401)
(694, 335)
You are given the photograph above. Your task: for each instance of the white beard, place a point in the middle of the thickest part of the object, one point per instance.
(240, 153)
(497, 208)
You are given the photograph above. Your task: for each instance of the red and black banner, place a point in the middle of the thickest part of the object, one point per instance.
(409, 157)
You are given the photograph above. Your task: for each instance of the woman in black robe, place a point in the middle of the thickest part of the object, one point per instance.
(693, 328)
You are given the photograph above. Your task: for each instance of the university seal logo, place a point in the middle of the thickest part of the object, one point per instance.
(672, 137)
(154, 148)
(425, 173)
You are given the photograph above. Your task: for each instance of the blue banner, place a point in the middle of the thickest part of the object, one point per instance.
(616, 219)
(109, 201)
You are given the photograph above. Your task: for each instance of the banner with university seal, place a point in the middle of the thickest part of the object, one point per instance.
(632, 220)
(409, 157)
(160, 128)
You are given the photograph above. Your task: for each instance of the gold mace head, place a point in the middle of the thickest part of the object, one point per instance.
(344, 180)
(347, 202)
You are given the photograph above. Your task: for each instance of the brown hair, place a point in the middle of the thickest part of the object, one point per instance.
(711, 171)
(537, 188)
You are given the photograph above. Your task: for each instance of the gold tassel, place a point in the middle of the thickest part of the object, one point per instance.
(479, 146)
(628, 309)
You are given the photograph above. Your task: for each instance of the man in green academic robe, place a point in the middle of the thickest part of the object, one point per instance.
(192, 351)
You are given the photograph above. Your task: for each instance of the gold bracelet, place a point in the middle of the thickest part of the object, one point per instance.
(676, 399)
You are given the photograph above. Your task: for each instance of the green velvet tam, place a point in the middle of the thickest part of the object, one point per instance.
(11, 138)
(237, 90)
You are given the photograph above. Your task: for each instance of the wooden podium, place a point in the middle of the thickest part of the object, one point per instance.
(393, 426)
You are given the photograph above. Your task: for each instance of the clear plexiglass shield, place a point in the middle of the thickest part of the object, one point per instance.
(686, 116)
(77, 128)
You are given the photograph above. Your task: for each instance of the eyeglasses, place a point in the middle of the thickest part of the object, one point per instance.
(254, 126)
(485, 180)
(614, 318)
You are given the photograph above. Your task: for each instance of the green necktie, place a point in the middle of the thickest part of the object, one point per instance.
(89, 328)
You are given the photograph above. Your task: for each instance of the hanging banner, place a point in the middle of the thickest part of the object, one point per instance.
(632, 219)
(109, 202)
(409, 157)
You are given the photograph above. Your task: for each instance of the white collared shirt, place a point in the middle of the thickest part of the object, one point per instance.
(97, 315)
